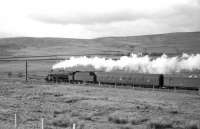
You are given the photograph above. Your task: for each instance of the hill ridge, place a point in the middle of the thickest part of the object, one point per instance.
(177, 42)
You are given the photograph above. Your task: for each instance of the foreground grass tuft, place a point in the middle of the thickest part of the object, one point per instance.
(193, 125)
(161, 123)
(137, 121)
(126, 127)
(63, 121)
(117, 120)
(167, 123)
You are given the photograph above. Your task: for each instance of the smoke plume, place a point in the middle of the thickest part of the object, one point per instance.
(135, 63)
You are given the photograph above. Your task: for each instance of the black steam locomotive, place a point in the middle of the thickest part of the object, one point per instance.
(123, 78)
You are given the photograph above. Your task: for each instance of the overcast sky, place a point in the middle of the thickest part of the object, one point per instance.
(97, 18)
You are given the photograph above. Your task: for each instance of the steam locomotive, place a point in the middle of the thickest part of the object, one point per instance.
(123, 78)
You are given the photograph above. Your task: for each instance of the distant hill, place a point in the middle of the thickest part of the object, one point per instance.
(175, 43)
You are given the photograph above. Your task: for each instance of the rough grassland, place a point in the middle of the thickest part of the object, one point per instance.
(89, 107)
(176, 43)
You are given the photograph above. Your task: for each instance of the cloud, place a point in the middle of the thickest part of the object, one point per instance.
(184, 17)
(96, 18)
(90, 18)
(179, 17)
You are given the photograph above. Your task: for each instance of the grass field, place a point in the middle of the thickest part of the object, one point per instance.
(89, 107)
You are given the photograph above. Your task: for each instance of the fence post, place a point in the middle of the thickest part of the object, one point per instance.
(26, 70)
(74, 126)
(15, 120)
(99, 83)
(42, 123)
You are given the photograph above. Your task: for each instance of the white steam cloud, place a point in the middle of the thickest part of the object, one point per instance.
(135, 63)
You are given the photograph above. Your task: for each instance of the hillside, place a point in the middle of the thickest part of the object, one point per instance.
(168, 43)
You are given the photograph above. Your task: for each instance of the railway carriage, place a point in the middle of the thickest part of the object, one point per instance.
(182, 82)
(84, 76)
(128, 78)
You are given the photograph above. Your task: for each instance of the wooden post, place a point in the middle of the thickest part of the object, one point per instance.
(15, 120)
(26, 70)
(42, 123)
(115, 85)
(132, 81)
(74, 126)
(153, 87)
(99, 83)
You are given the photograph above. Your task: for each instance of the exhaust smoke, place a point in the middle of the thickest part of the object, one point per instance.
(135, 63)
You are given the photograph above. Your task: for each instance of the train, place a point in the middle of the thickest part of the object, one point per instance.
(124, 79)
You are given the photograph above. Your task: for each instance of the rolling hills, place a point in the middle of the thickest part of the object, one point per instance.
(175, 43)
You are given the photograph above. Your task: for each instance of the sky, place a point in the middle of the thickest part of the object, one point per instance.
(97, 18)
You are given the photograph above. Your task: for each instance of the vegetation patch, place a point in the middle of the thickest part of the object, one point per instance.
(58, 94)
(170, 123)
(63, 121)
(126, 127)
(160, 123)
(117, 119)
(193, 124)
(137, 120)
(20, 75)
